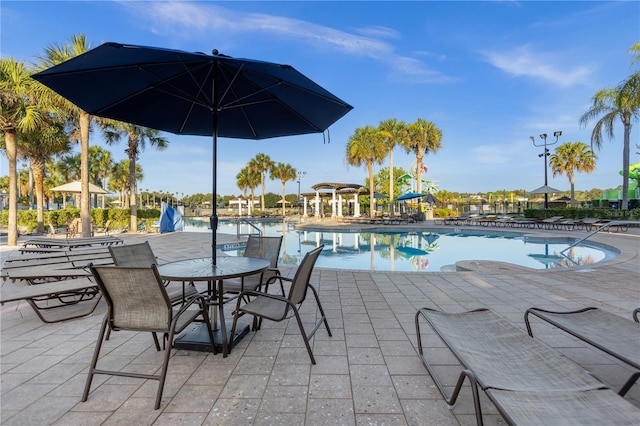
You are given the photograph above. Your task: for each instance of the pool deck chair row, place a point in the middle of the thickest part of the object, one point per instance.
(528, 381)
(613, 334)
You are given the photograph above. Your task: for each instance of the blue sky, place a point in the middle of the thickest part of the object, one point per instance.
(488, 74)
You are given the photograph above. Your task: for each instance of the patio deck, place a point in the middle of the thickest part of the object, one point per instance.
(367, 373)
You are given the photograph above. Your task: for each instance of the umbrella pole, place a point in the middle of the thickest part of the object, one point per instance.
(213, 220)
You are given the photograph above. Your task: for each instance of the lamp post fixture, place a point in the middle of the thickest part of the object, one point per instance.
(544, 156)
(300, 175)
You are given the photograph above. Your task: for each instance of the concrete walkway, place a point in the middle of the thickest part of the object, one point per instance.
(368, 373)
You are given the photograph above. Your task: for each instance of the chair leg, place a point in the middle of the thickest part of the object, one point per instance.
(304, 335)
(163, 372)
(94, 360)
(155, 341)
(207, 321)
(324, 317)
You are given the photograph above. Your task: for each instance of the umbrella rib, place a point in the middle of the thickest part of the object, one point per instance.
(179, 94)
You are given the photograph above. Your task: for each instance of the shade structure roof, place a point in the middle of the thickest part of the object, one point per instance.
(545, 189)
(76, 186)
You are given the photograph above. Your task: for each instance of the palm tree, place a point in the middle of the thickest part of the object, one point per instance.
(392, 132)
(284, 172)
(570, 157)
(101, 163)
(422, 137)
(19, 112)
(366, 146)
(119, 181)
(248, 179)
(38, 146)
(137, 137)
(80, 120)
(609, 104)
(262, 164)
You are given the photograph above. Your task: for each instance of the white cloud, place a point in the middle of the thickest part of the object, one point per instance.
(185, 18)
(524, 62)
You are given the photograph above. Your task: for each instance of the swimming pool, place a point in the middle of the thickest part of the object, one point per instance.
(427, 250)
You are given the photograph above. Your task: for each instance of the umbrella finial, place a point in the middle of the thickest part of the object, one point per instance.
(215, 52)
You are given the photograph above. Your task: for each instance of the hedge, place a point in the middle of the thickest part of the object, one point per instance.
(28, 222)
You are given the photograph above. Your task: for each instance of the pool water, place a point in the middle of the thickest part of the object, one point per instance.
(426, 250)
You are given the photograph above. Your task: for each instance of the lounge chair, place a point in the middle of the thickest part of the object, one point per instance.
(279, 308)
(613, 334)
(104, 229)
(137, 301)
(528, 381)
(56, 301)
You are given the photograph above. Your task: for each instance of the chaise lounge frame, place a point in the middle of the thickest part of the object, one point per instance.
(613, 334)
(528, 381)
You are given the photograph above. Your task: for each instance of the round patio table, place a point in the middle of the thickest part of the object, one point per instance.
(203, 269)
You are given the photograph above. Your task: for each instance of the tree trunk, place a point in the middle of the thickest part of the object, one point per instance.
(419, 173)
(11, 149)
(625, 164)
(37, 168)
(261, 193)
(85, 198)
(572, 192)
(283, 203)
(371, 199)
(391, 183)
(133, 212)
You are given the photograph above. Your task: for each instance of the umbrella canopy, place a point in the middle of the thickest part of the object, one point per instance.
(410, 196)
(544, 189)
(430, 199)
(379, 196)
(76, 186)
(195, 94)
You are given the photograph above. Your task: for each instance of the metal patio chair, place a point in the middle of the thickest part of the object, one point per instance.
(278, 308)
(262, 248)
(137, 301)
(142, 255)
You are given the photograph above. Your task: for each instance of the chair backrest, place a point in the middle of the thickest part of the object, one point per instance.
(299, 285)
(133, 254)
(264, 248)
(136, 298)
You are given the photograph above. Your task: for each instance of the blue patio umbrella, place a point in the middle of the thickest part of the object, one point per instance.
(410, 196)
(195, 94)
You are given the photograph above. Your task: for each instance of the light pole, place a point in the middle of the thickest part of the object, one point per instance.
(544, 156)
(300, 175)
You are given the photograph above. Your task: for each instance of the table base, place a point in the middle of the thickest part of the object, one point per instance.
(195, 337)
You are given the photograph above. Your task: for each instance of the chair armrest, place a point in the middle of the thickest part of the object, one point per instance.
(267, 295)
(190, 301)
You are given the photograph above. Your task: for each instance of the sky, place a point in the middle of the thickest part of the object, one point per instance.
(489, 74)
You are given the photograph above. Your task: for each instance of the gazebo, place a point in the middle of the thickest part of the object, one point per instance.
(338, 190)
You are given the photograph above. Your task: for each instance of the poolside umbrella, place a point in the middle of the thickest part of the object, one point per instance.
(430, 199)
(76, 186)
(544, 189)
(195, 94)
(410, 196)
